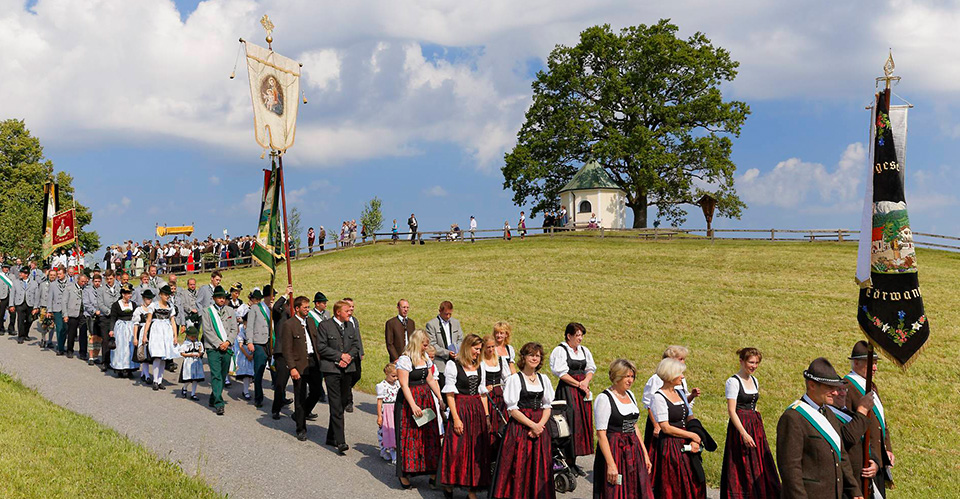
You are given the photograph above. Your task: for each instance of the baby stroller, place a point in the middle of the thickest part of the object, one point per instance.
(564, 479)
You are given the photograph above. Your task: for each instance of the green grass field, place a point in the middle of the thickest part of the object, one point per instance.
(794, 301)
(49, 451)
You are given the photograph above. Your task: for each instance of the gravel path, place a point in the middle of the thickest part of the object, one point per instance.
(244, 454)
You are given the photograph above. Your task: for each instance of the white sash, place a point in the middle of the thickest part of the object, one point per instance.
(6, 280)
(859, 383)
(316, 317)
(842, 416)
(217, 321)
(820, 423)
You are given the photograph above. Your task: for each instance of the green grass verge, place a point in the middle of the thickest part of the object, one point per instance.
(794, 301)
(48, 451)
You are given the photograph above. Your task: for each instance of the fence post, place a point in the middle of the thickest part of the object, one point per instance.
(601, 232)
(656, 233)
(840, 235)
(811, 237)
(773, 234)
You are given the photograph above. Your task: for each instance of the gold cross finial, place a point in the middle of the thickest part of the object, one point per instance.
(888, 68)
(267, 25)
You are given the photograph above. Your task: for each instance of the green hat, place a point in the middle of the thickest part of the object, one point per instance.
(319, 297)
(256, 294)
(218, 292)
(166, 291)
(192, 331)
(126, 288)
(147, 293)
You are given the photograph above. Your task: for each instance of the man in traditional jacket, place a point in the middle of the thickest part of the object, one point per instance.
(24, 296)
(55, 308)
(397, 330)
(852, 432)
(301, 351)
(317, 315)
(91, 314)
(73, 312)
(881, 451)
(281, 374)
(339, 347)
(107, 295)
(219, 335)
(810, 453)
(259, 334)
(6, 291)
(205, 294)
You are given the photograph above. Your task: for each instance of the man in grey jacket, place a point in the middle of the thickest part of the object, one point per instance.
(445, 335)
(23, 298)
(6, 290)
(205, 294)
(108, 294)
(91, 313)
(55, 307)
(73, 311)
(258, 340)
(219, 330)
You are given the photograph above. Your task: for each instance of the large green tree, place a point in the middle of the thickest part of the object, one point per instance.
(647, 106)
(23, 171)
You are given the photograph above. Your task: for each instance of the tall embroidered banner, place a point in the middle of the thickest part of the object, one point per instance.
(51, 193)
(890, 310)
(274, 88)
(268, 247)
(64, 229)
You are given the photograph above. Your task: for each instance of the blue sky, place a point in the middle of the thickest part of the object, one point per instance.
(415, 103)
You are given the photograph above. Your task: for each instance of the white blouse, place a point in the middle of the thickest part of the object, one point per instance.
(511, 391)
(659, 406)
(654, 384)
(388, 392)
(558, 359)
(602, 409)
(511, 354)
(732, 387)
(450, 378)
(404, 363)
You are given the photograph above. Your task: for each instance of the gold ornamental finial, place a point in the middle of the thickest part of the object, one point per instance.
(268, 25)
(888, 68)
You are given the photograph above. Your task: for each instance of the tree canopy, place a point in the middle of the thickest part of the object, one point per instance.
(647, 106)
(23, 171)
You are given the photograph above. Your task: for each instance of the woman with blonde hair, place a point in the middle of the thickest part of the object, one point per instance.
(418, 445)
(501, 335)
(465, 460)
(621, 467)
(652, 429)
(673, 471)
(495, 372)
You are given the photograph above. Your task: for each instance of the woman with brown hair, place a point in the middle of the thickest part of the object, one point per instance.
(465, 460)
(418, 445)
(573, 364)
(749, 470)
(525, 465)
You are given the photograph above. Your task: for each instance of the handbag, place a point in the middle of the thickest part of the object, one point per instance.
(141, 354)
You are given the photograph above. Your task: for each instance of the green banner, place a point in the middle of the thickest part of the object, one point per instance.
(268, 249)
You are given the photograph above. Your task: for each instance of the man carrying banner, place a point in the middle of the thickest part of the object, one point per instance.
(879, 445)
(811, 457)
(259, 332)
(219, 330)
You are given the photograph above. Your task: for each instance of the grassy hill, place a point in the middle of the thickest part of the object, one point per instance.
(794, 301)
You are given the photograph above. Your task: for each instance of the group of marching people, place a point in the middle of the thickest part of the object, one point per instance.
(470, 411)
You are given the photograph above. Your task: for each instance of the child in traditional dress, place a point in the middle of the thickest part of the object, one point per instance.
(387, 391)
(244, 363)
(191, 371)
(140, 336)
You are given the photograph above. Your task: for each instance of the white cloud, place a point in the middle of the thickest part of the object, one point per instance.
(808, 187)
(214, 180)
(321, 69)
(118, 208)
(251, 202)
(435, 191)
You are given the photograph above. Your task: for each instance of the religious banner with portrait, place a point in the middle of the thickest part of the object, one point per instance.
(274, 88)
(890, 309)
(64, 229)
(51, 202)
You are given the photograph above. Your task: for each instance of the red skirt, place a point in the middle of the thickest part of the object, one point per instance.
(748, 473)
(628, 456)
(525, 466)
(496, 424)
(673, 476)
(418, 448)
(581, 416)
(465, 460)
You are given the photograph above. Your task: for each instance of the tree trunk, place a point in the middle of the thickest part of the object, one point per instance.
(639, 214)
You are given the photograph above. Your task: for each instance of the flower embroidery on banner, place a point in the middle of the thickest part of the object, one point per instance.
(900, 333)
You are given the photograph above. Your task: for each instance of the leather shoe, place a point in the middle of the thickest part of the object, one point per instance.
(348, 408)
(301, 435)
(312, 416)
(342, 449)
(322, 399)
(276, 415)
(59, 353)
(219, 411)
(287, 401)
(258, 404)
(406, 486)
(69, 355)
(19, 341)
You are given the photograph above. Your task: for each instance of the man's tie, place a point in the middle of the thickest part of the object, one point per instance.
(404, 321)
(824, 410)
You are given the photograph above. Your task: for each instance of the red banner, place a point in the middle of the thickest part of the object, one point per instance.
(64, 229)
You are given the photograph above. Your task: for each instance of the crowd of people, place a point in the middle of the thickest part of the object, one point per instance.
(176, 256)
(470, 411)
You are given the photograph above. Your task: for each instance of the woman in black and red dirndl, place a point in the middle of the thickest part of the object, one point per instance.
(574, 365)
(749, 470)
(418, 447)
(673, 474)
(465, 460)
(495, 371)
(525, 464)
(621, 466)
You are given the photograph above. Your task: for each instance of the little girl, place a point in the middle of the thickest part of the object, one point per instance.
(191, 371)
(244, 362)
(387, 391)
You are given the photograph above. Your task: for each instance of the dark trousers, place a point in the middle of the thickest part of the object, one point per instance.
(77, 326)
(219, 363)
(305, 395)
(61, 328)
(281, 375)
(259, 366)
(4, 306)
(104, 348)
(24, 320)
(354, 379)
(338, 389)
(413, 235)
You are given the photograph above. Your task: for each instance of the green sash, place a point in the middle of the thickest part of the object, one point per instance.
(6, 280)
(821, 424)
(877, 406)
(316, 318)
(217, 321)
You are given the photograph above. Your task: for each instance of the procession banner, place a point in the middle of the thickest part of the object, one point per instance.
(274, 88)
(64, 229)
(50, 204)
(266, 249)
(890, 310)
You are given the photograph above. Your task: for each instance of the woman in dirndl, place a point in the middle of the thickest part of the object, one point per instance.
(161, 340)
(121, 330)
(140, 335)
(465, 458)
(501, 335)
(574, 365)
(621, 467)
(673, 472)
(525, 464)
(495, 372)
(418, 446)
(749, 470)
